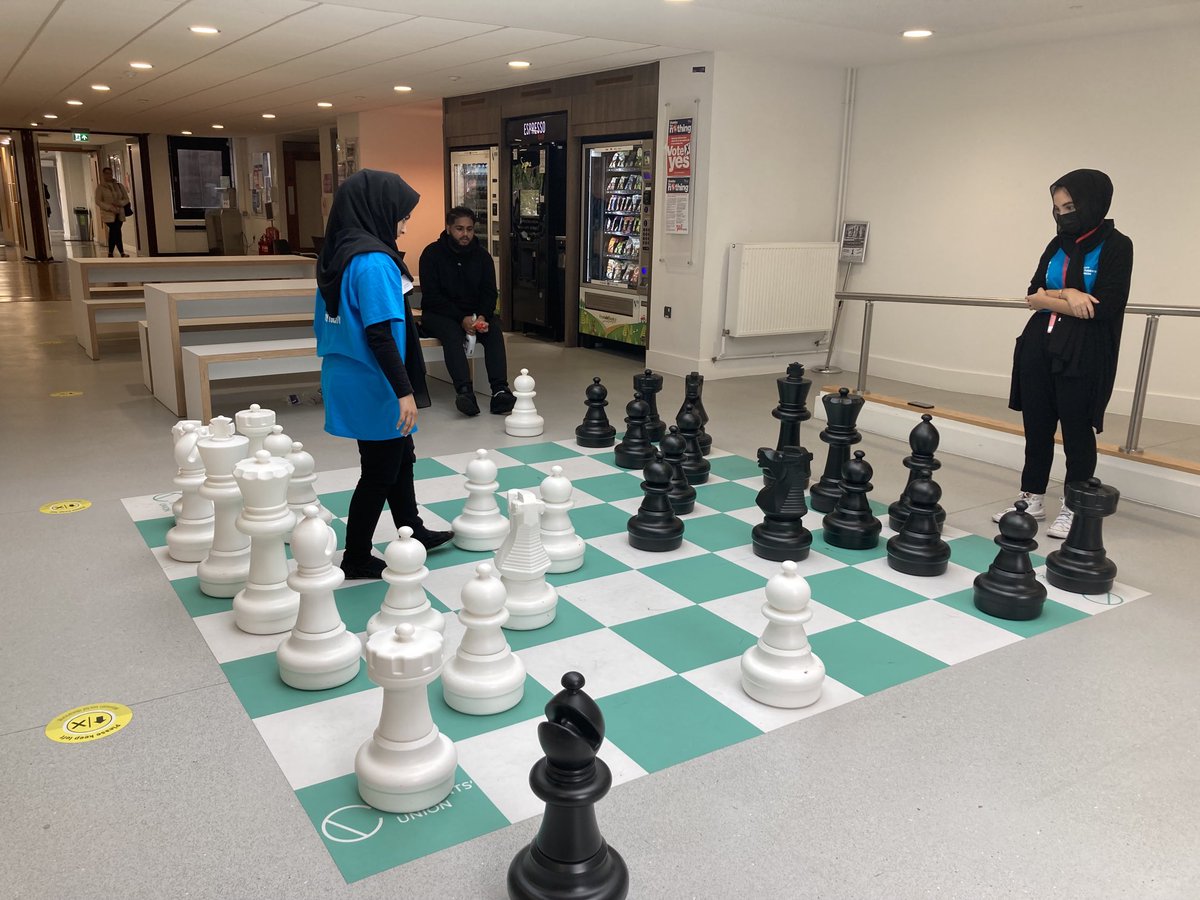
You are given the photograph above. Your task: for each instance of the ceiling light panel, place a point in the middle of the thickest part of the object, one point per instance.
(504, 42)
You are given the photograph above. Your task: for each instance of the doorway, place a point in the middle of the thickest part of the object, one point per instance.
(302, 187)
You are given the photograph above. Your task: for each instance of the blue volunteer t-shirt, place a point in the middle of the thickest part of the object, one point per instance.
(1056, 270)
(359, 402)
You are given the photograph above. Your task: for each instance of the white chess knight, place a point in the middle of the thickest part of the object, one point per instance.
(781, 669)
(255, 423)
(524, 420)
(481, 525)
(277, 443)
(564, 547)
(302, 491)
(407, 765)
(319, 653)
(405, 600)
(484, 676)
(192, 536)
(224, 571)
(266, 605)
(176, 434)
(522, 563)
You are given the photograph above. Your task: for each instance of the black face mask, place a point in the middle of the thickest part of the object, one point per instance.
(1069, 224)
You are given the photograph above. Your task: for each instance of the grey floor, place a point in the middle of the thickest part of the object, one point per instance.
(1062, 766)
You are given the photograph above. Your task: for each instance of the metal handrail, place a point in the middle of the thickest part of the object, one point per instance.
(1151, 312)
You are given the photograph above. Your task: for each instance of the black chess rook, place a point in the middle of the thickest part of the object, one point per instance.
(840, 433)
(635, 449)
(919, 549)
(595, 430)
(782, 535)
(923, 441)
(682, 495)
(648, 384)
(852, 525)
(1009, 589)
(655, 527)
(1081, 564)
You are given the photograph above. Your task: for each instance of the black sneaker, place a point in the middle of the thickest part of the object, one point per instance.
(432, 539)
(503, 401)
(370, 567)
(466, 403)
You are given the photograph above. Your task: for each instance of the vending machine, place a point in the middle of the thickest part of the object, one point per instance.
(475, 184)
(614, 289)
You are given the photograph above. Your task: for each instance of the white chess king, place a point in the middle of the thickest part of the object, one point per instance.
(781, 669)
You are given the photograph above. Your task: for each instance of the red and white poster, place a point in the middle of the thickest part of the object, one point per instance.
(679, 176)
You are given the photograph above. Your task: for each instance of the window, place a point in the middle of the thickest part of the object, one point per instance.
(198, 166)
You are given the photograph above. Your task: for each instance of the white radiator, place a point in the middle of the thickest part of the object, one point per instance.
(780, 288)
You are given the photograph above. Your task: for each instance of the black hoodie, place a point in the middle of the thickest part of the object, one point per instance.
(457, 282)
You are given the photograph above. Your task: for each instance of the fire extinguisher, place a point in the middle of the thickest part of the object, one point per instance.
(266, 244)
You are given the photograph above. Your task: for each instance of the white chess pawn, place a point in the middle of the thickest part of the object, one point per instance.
(484, 676)
(522, 563)
(405, 600)
(192, 536)
(781, 669)
(255, 423)
(266, 605)
(224, 571)
(277, 443)
(319, 653)
(480, 526)
(524, 420)
(176, 434)
(407, 765)
(564, 547)
(302, 491)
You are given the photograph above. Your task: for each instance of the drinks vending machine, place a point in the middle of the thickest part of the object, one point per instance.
(615, 260)
(475, 184)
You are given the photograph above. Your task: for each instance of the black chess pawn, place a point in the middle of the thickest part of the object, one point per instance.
(635, 450)
(840, 433)
(923, 441)
(569, 858)
(649, 384)
(782, 534)
(919, 549)
(655, 527)
(596, 430)
(1081, 565)
(1009, 589)
(793, 405)
(695, 466)
(682, 494)
(693, 389)
(852, 525)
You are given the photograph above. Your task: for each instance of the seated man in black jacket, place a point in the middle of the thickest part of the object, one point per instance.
(458, 298)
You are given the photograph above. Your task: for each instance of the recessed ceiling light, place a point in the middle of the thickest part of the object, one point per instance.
(218, 126)
(204, 29)
(101, 87)
(402, 88)
(33, 124)
(185, 132)
(918, 33)
(518, 64)
(49, 116)
(74, 103)
(325, 104)
(140, 65)
(268, 115)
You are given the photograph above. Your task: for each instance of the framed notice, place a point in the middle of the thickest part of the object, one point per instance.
(677, 215)
(853, 245)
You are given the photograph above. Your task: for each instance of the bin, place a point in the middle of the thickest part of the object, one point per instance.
(83, 219)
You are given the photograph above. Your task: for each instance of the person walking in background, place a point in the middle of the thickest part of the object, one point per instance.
(372, 370)
(458, 300)
(1065, 360)
(113, 200)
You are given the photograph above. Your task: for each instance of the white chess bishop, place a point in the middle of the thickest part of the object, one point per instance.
(484, 676)
(407, 765)
(524, 420)
(192, 536)
(781, 669)
(255, 423)
(405, 600)
(319, 653)
(480, 526)
(176, 434)
(522, 563)
(302, 489)
(564, 547)
(224, 571)
(266, 605)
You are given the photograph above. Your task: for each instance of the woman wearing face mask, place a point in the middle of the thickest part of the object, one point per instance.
(1066, 358)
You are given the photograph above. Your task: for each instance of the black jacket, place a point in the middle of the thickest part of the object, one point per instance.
(457, 283)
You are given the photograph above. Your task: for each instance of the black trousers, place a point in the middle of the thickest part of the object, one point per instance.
(115, 242)
(1049, 401)
(387, 476)
(449, 331)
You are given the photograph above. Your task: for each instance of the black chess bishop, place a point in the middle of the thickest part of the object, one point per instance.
(923, 441)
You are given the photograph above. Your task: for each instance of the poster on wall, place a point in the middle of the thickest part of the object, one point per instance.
(679, 176)
(679, 206)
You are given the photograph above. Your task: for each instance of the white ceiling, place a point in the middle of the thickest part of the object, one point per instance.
(283, 56)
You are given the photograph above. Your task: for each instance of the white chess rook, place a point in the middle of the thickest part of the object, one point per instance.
(319, 653)
(407, 765)
(480, 526)
(176, 434)
(224, 571)
(484, 676)
(405, 600)
(781, 669)
(524, 420)
(255, 423)
(302, 489)
(522, 563)
(564, 547)
(192, 536)
(266, 605)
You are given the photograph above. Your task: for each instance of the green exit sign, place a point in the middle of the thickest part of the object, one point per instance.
(81, 137)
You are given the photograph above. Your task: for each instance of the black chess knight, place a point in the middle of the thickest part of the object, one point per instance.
(595, 430)
(1009, 589)
(840, 433)
(923, 442)
(1081, 564)
(782, 534)
(852, 525)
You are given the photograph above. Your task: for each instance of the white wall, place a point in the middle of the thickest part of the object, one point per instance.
(951, 163)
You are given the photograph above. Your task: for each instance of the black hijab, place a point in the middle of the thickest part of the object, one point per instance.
(1091, 191)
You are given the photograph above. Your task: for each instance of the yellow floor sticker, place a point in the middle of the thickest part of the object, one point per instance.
(67, 394)
(88, 723)
(64, 506)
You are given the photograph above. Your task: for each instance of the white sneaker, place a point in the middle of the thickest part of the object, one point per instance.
(1062, 525)
(1035, 506)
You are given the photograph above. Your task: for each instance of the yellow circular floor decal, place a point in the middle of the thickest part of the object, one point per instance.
(88, 723)
(64, 506)
(67, 394)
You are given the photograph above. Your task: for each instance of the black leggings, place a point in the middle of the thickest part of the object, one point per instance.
(450, 333)
(387, 475)
(115, 242)
(1047, 401)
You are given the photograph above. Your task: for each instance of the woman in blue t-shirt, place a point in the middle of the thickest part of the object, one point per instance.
(372, 371)
(1066, 358)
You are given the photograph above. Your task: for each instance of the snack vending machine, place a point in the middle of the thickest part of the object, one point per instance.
(475, 184)
(614, 291)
